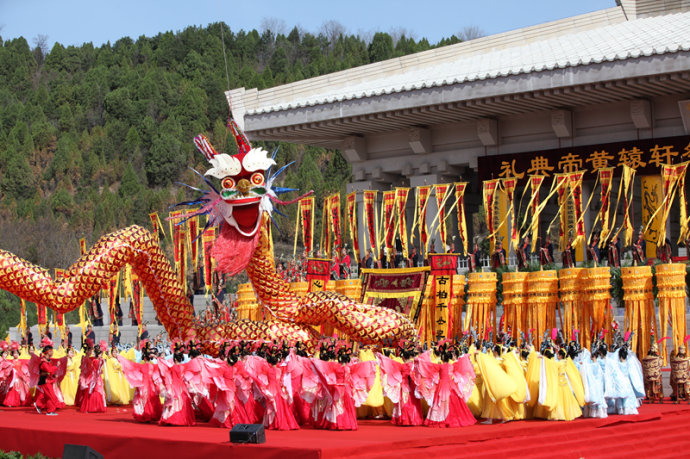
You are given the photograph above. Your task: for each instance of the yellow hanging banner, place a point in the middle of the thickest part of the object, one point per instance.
(651, 220)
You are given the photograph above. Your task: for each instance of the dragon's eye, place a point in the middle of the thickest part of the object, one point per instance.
(257, 179)
(228, 182)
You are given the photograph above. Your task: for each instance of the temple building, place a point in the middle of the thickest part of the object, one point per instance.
(598, 90)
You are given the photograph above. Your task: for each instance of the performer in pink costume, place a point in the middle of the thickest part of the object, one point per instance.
(169, 378)
(399, 387)
(146, 403)
(338, 386)
(267, 376)
(17, 391)
(91, 393)
(446, 387)
(229, 381)
(197, 377)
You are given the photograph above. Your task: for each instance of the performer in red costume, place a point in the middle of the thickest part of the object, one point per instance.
(146, 403)
(91, 393)
(47, 399)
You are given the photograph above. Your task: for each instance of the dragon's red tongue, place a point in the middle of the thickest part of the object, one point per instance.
(246, 216)
(233, 251)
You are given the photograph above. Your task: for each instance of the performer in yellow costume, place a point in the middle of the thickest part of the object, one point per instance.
(70, 382)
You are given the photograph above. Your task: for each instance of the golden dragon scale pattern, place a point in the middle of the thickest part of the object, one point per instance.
(137, 246)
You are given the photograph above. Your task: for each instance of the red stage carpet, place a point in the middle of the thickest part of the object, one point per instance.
(658, 431)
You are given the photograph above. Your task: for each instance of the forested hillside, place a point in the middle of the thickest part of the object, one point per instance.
(92, 139)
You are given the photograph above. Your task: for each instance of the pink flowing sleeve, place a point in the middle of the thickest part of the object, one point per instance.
(391, 377)
(133, 371)
(425, 375)
(463, 376)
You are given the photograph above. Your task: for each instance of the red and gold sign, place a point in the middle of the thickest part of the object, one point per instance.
(318, 273)
(397, 289)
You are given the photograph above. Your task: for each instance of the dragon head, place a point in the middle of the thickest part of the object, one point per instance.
(246, 194)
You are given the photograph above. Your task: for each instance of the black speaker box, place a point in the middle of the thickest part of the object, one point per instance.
(80, 452)
(248, 433)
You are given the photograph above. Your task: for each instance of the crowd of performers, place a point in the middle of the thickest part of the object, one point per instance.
(610, 253)
(285, 387)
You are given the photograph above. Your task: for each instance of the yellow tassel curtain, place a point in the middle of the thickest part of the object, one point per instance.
(542, 290)
(571, 286)
(481, 303)
(670, 280)
(640, 317)
(515, 302)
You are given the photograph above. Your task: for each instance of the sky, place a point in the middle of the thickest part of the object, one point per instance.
(73, 22)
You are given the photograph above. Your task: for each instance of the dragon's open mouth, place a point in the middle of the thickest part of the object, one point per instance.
(243, 214)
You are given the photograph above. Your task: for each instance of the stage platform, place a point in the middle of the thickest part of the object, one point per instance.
(658, 431)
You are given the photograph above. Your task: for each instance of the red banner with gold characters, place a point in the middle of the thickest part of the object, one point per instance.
(605, 178)
(575, 180)
(400, 205)
(441, 191)
(370, 224)
(336, 226)
(325, 241)
(388, 218)
(422, 201)
(443, 267)
(318, 273)
(306, 216)
(352, 222)
(193, 240)
(509, 185)
(156, 223)
(535, 182)
(563, 195)
(460, 188)
(207, 239)
(489, 193)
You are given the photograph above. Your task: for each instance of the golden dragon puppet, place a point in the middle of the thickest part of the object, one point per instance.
(242, 208)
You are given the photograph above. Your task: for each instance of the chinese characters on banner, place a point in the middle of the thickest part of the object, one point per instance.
(645, 156)
(400, 204)
(462, 223)
(422, 201)
(370, 223)
(352, 222)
